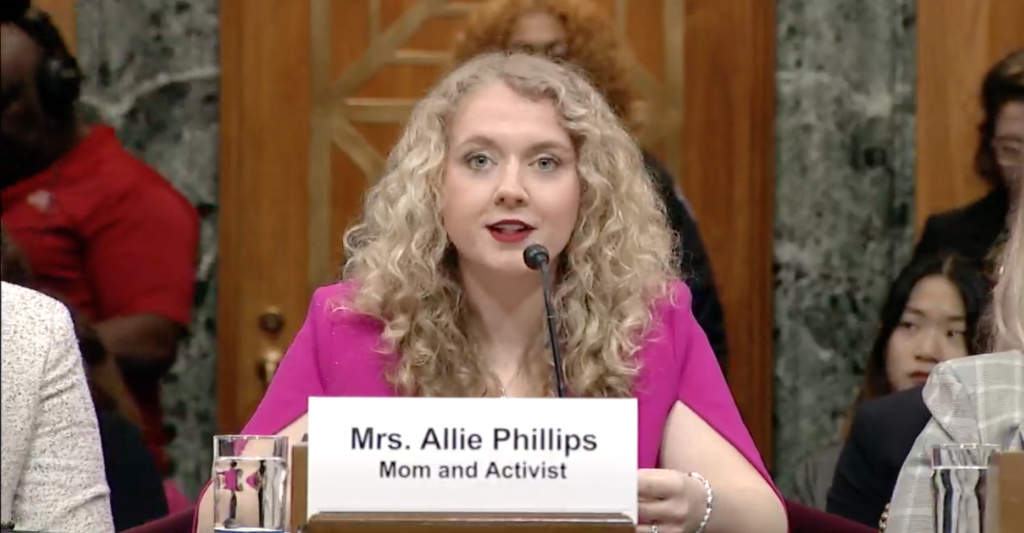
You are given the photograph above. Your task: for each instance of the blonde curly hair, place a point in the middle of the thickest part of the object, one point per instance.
(618, 264)
(1008, 298)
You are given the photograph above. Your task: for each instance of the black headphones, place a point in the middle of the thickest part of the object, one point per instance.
(59, 79)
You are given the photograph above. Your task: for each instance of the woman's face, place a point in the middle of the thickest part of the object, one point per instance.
(510, 180)
(932, 330)
(1008, 142)
(540, 33)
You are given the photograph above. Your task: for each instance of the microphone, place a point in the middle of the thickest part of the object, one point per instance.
(536, 257)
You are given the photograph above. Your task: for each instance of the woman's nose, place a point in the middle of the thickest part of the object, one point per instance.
(928, 348)
(510, 191)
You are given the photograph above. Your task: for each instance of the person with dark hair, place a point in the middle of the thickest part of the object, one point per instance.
(971, 401)
(577, 32)
(136, 488)
(931, 314)
(944, 295)
(977, 231)
(102, 231)
(889, 411)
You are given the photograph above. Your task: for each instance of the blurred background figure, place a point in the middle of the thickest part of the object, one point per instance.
(99, 229)
(979, 230)
(577, 32)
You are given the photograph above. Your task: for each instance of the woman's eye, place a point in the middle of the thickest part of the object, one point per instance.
(547, 163)
(907, 325)
(955, 334)
(478, 161)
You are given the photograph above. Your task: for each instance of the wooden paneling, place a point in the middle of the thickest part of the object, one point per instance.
(958, 41)
(65, 15)
(265, 115)
(729, 177)
(314, 95)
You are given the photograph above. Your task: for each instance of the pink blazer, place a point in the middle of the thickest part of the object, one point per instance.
(335, 353)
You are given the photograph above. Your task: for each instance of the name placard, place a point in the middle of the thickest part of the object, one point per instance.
(489, 455)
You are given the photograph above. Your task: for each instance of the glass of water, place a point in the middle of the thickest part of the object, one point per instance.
(250, 473)
(959, 477)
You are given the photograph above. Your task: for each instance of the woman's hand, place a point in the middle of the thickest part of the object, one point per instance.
(668, 502)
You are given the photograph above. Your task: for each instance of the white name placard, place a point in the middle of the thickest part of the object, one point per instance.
(570, 455)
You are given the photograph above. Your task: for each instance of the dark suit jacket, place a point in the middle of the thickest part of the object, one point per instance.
(969, 231)
(881, 436)
(694, 261)
(136, 489)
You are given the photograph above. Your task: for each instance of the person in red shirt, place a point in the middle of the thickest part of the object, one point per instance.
(101, 230)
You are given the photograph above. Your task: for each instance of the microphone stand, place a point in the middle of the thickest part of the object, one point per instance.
(556, 350)
(536, 258)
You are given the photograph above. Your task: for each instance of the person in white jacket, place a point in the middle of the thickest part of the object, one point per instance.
(52, 469)
(975, 400)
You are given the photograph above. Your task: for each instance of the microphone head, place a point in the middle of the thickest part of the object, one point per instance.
(12, 10)
(535, 256)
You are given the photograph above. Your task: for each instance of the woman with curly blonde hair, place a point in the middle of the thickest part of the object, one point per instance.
(577, 32)
(974, 400)
(436, 300)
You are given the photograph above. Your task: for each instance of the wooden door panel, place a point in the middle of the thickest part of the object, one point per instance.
(383, 56)
(263, 241)
(315, 94)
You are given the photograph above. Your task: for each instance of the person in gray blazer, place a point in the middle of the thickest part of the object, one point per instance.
(974, 400)
(52, 475)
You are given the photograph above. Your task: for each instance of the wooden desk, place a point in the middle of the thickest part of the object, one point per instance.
(1005, 512)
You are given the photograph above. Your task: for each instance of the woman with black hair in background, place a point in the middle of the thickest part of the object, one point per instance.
(136, 489)
(931, 314)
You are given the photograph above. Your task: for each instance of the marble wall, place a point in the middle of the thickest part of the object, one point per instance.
(844, 125)
(152, 68)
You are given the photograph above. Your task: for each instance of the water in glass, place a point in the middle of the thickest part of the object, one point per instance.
(249, 487)
(959, 480)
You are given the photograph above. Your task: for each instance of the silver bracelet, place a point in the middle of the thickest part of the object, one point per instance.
(711, 500)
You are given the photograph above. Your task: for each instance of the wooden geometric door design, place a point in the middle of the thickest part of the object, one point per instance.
(372, 59)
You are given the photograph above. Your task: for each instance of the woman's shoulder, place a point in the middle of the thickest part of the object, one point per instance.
(347, 343)
(673, 314)
(26, 306)
(980, 393)
(986, 370)
(331, 308)
(28, 318)
(677, 298)
(337, 294)
(674, 339)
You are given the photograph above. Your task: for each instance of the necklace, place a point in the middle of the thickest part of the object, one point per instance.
(503, 392)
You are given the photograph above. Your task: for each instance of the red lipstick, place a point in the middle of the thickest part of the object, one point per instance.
(510, 230)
